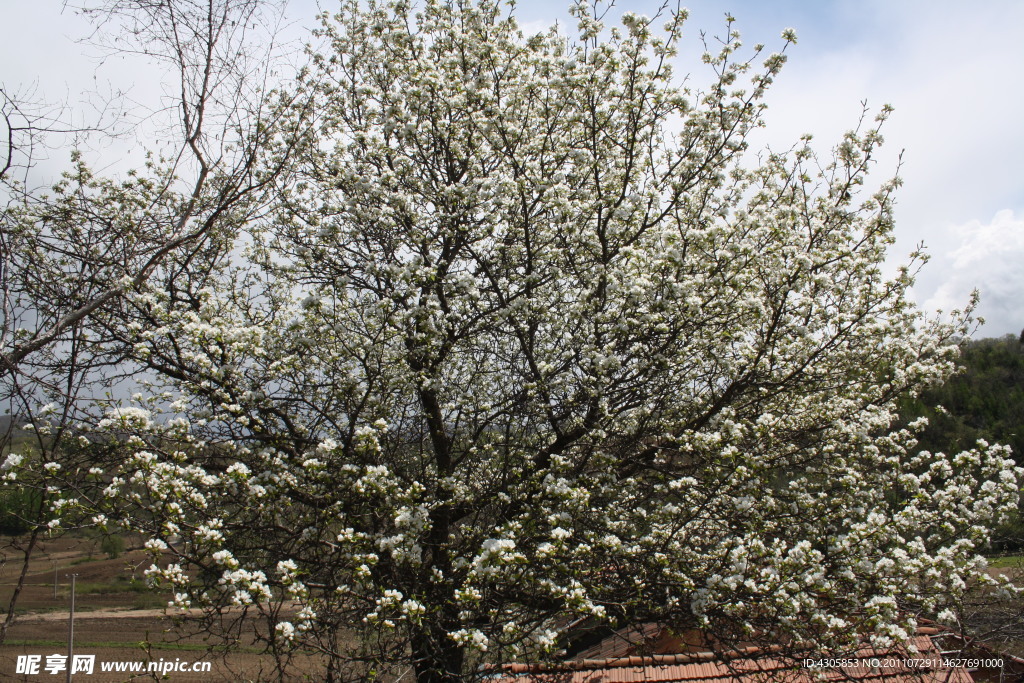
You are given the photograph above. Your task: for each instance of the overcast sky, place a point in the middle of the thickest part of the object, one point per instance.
(953, 71)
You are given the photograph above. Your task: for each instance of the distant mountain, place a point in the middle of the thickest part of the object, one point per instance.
(6, 422)
(985, 400)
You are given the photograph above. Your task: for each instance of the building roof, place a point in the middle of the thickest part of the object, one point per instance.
(746, 664)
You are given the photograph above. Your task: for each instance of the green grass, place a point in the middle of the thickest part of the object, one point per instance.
(1006, 561)
(40, 609)
(96, 588)
(182, 647)
(149, 601)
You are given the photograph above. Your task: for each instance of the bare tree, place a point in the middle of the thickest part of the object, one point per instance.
(70, 254)
(222, 102)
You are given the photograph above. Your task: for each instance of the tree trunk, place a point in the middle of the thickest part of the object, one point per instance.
(437, 658)
(9, 619)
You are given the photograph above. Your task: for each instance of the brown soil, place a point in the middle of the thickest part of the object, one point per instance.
(102, 582)
(234, 668)
(115, 620)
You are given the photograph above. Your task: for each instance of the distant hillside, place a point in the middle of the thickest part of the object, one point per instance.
(983, 401)
(6, 421)
(13, 438)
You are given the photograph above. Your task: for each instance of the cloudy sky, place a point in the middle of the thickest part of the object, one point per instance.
(954, 73)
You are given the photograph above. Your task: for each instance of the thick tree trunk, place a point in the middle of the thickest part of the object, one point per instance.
(437, 658)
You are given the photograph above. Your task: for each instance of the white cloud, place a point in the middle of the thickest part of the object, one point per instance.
(987, 257)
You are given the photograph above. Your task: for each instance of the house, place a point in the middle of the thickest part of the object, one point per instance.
(652, 654)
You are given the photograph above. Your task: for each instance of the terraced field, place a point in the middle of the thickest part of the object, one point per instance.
(118, 621)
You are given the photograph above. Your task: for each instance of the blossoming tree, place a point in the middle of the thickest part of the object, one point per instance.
(72, 250)
(529, 337)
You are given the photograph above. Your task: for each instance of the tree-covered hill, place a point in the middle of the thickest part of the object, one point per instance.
(985, 400)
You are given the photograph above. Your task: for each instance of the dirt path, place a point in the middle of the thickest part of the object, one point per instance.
(106, 613)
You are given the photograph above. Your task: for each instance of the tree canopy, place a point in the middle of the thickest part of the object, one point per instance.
(528, 335)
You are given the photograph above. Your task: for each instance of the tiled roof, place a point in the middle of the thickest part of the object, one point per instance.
(622, 643)
(749, 665)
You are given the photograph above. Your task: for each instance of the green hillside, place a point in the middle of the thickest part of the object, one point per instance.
(985, 400)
